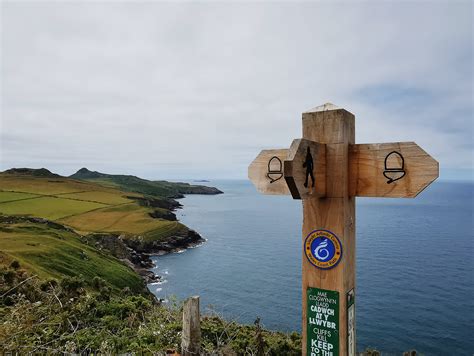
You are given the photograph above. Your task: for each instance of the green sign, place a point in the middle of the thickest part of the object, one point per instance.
(322, 322)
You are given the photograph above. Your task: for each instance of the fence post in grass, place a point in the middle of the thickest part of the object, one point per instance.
(191, 337)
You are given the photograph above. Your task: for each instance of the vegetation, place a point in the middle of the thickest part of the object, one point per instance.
(72, 316)
(54, 252)
(52, 208)
(143, 186)
(87, 207)
(62, 292)
(12, 196)
(131, 219)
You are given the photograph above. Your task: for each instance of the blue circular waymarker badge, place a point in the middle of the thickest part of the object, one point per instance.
(323, 249)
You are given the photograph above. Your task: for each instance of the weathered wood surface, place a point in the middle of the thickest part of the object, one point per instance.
(335, 212)
(367, 166)
(191, 336)
(266, 172)
(300, 182)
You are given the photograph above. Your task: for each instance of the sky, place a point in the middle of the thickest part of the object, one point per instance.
(194, 90)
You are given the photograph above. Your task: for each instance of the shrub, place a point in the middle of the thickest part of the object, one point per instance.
(73, 286)
(15, 264)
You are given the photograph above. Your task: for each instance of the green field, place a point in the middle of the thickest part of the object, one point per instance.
(85, 206)
(50, 252)
(12, 196)
(43, 185)
(101, 196)
(51, 208)
(131, 219)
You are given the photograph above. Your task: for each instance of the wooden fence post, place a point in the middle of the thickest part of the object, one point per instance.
(191, 337)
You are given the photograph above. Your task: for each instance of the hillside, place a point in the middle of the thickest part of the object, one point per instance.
(143, 186)
(107, 211)
(92, 205)
(53, 251)
(41, 172)
(72, 263)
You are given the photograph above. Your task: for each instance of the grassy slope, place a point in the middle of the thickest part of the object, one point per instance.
(51, 208)
(84, 206)
(54, 253)
(125, 218)
(12, 196)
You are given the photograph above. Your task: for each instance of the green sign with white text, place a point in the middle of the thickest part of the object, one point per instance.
(322, 322)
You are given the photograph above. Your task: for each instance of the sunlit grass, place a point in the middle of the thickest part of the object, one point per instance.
(55, 253)
(12, 196)
(51, 208)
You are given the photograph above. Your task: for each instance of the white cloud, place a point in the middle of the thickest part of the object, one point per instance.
(197, 89)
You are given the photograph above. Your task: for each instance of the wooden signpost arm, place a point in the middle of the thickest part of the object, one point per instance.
(335, 212)
(371, 165)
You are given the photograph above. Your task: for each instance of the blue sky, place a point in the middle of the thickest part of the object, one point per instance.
(196, 90)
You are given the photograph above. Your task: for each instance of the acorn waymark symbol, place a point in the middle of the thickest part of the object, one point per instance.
(394, 167)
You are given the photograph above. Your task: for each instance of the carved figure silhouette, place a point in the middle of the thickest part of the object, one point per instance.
(308, 164)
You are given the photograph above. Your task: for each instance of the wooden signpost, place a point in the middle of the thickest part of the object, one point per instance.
(327, 170)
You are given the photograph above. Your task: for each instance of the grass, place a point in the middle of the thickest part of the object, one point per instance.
(43, 318)
(104, 197)
(143, 186)
(128, 218)
(42, 186)
(12, 196)
(137, 185)
(49, 252)
(85, 206)
(51, 208)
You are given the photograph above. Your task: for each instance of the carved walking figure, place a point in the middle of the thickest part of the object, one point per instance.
(308, 164)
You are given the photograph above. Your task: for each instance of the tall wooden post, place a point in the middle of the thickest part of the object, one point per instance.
(335, 212)
(327, 170)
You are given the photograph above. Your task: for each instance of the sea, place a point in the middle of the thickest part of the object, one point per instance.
(414, 286)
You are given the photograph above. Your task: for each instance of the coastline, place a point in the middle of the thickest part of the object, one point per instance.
(136, 251)
(151, 278)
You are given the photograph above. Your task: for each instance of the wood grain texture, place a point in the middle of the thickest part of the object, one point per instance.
(335, 212)
(367, 165)
(295, 170)
(191, 336)
(258, 172)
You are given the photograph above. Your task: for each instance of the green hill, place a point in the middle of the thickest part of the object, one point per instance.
(52, 251)
(86, 206)
(143, 186)
(137, 210)
(41, 172)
